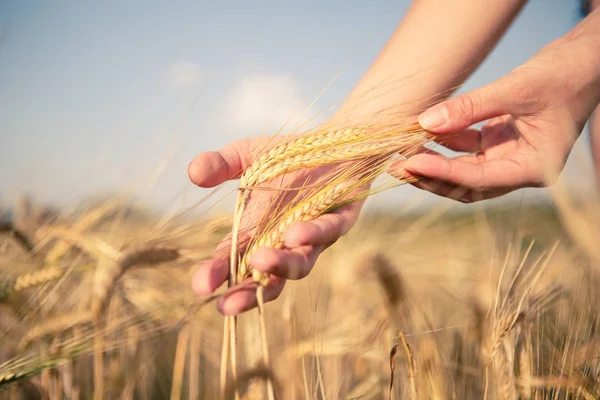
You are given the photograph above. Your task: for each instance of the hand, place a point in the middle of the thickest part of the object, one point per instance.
(304, 242)
(537, 112)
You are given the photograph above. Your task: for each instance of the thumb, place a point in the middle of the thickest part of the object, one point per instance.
(462, 111)
(212, 168)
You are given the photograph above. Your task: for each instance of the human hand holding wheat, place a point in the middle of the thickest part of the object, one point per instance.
(304, 241)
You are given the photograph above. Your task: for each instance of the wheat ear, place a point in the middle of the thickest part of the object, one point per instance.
(30, 280)
(107, 278)
(104, 284)
(255, 173)
(338, 146)
(305, 211)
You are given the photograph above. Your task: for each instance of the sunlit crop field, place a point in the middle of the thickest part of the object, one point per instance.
(496, 302)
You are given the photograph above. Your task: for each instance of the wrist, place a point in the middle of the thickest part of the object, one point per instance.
(582, 47)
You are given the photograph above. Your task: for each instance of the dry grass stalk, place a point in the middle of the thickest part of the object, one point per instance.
(265, 342)
(179, 363)
(411, 365)
(194, 360)
(393, 353)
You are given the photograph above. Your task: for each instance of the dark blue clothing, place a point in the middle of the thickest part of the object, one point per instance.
(584, 8)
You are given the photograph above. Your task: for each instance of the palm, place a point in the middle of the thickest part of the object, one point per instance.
(303, 242)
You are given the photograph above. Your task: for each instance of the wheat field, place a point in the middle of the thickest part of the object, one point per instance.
(495, 303)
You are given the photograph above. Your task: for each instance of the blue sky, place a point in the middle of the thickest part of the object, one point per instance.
(98, 96)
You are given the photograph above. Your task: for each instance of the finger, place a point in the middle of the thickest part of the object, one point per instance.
(325, 229)
(210, 276)
(212, 273)
(475, 175)
(245, 299)
(398, 171)
(293, 263)
(468, 140)
(465, 110)
(443, 189)
(215, 167)
(458, 193)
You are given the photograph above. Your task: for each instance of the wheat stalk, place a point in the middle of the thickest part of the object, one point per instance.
(104, 284)
(323, 147)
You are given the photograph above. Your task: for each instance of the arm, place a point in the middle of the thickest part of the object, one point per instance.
(439, 43)
(537, 112)
(595, 120)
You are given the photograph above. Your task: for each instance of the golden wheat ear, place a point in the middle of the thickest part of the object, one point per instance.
(325, 147)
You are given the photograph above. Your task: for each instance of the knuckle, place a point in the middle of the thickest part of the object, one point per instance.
(466, 107)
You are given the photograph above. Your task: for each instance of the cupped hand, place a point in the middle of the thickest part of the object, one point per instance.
(535, 113)
(304, 242)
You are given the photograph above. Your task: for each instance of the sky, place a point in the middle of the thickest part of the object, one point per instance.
(104, 97)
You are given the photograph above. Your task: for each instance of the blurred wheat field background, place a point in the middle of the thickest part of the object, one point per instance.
(497, 302)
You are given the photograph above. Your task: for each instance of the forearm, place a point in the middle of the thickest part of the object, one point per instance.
(437, 45)
(579, 54)
(594, 123)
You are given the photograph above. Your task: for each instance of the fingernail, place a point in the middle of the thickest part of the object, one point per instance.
(435, 117)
